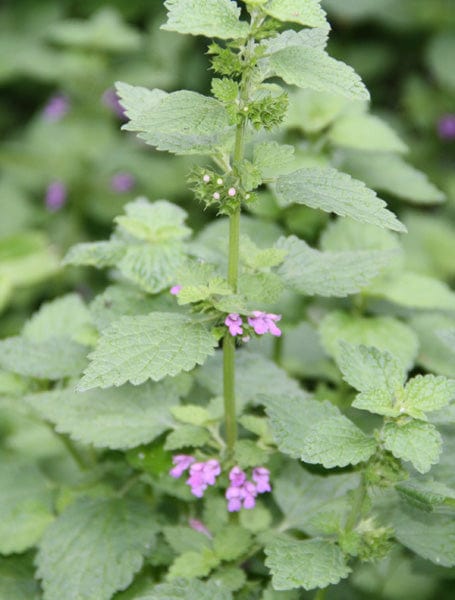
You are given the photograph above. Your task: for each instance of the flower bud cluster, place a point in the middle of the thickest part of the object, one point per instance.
(212, 189)
(202, 474)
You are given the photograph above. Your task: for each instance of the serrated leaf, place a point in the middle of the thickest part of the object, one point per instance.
(231, 542)
(431, 536)
(25, 504)
(193, 564)
(184, 589)
(51, 359)
(115, 418)
(434, 354)
(365, 132)
(17, 580)
(332, 191)
(307, 13)
(314, 38)
(303, 496)
(414, 290)
(414, 441)
(339, 274)
(384, 333)
(312, 68)
(309, 564)
(316, 432)
(153, 346)
(402, 179)
(63, 317)
(187, 436)
(260, 288)
(426, 495)
(368, 369)
(181, 122)
(95, 544)
(159, 221)
(95, 254)
(211, 18)
(229, 577)
(347, 234)
(184, 539)
(272, 158)
(257, 258)
(248, 454)
(310, 110)
(191, 414)
(152, 267)
(256, 520)
(427, 393)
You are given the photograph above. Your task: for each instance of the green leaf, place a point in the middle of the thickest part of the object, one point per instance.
(248, 454)
(153, 346)
(193, 564)
(17, 580)
(272, 158)
(402, 179)
(257, 258)
(184, 539)
(182, 122)
(339, 274)
(229, 577)
(64, 317)
(384, 333)
(25, 504)
(365, 132)
(260, 288)
(414, 291)
(434, 354)
(347, 234)
(431, 536)
(309, 564)
(159, 221)
(191, 414)
(95, 254)
(312, 68)
(231, 542)
(187, 435)
(332, 191)
(305, 498)
(448, 337)
(256, 520)
(211, 18)
(183, 589)
(427, 393)
(152, 267)
(368, 369)
(95, 544)
(440, 55)
(312, 111)
(115, 418)
(414, 441)
(307, 13)
(51, 359)
(313, 38)
(316, 432)
(426, 495)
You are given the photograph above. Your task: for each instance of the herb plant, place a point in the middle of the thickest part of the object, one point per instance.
(186, 458)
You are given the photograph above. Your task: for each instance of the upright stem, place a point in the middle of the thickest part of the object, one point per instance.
(356, 509)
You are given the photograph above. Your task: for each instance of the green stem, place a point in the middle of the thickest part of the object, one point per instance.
(356, 510)
(278, 350)
(72, 449)
(320, 594)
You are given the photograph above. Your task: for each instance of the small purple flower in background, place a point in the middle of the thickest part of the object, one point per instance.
(446, 127)
(242, 493)
(199, 526)
(122, 182)
(175, 289)
(263, 322)
(111, 100)
(202, 475)
(234, 323)
(261, 477)
(181, 463)
(56, 196)
(56, 108)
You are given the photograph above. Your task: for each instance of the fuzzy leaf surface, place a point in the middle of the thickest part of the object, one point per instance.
(307, 13)
(116, 418)
(428, 393)
(338, 274)
(95, 254)
(414, 441)
(212, 18)
(335, 192)
(182, 122)
(184, 589)
(312, 68)
(95, 544)
(309, 563)
(145, 347)
(159, 221)
(365, 132)
(316, 432)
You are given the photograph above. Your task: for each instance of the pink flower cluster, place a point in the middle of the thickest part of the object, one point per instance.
(202, 474)
(261, 323)
(242, 493)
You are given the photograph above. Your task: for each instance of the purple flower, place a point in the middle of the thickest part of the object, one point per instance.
(122, 182)
(234, 498)
(111, 100)
(234, 323)
(175, 289)
(446, 127)
(182, 462)
(203, 474)
(249, 493)
(263, 322)
(56, 108)
(56, 195)
(199, 526)
(237, 477)
(261, 477)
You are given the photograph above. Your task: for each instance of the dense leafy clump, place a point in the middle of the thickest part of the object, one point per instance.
(260, 402)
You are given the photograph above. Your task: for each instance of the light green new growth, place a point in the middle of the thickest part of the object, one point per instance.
(304, 12)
